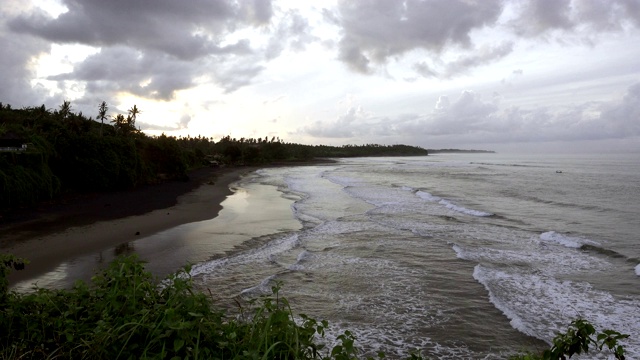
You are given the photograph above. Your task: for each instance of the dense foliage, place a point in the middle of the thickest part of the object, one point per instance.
(125, 314)
(69, 152)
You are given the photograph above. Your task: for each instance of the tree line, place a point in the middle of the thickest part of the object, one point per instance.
(70, 152)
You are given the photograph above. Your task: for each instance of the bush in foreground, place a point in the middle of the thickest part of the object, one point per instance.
(125, 314)
(577, 340)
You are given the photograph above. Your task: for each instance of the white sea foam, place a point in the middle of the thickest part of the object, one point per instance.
(322, 200)
(298, 265)
(638, 269)
(451, 206)
(264, 253)
(460, 253)
(378, 195)
(394, 343)
(262, 288)
(564, 240)
(454, 207)
(523, 297)
(342, 180)
(296, 184)
(303, 256)
(427, 196)
(547, 261)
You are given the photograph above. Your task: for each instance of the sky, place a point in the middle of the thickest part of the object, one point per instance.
(503, 75)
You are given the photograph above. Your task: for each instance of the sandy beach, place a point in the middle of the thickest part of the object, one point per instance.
(53, 234)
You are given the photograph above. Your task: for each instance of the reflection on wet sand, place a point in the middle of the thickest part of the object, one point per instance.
(253, 210)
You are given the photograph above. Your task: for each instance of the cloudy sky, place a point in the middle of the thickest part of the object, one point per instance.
(506, 75)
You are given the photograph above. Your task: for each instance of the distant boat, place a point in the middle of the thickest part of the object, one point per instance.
(558, 171)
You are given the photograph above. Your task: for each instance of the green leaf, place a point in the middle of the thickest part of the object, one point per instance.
(178, 344)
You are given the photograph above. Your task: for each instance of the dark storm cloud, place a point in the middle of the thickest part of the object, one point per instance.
(375, 30)
(147, 74)
(15, 74)
(540, 16)
(148, 48)
(184, 29)
(155, 48)
(259, 12)
(15, 88)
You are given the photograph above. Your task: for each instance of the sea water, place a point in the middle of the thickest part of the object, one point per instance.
(462, 256)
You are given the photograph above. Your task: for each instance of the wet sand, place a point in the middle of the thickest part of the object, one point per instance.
(168, 225)
(49, 237)
(251, 214)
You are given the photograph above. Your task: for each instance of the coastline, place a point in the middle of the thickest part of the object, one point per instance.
(55, 235)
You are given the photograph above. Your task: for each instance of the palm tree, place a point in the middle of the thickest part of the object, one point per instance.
(65, 109)
(133, 113)
(102, 114)
(119, 122)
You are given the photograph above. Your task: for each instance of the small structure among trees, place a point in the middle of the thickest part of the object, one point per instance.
(12, 142)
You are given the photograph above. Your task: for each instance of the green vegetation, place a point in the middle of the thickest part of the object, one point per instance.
(577, 340)
(125, 314)
(68, 152)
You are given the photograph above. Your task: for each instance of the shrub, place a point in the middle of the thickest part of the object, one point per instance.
(577, 340)
(125, 314)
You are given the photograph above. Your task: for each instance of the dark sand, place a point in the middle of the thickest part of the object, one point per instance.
(89, 223)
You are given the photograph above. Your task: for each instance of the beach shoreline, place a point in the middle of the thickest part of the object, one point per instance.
(85, 225)
(52, 234)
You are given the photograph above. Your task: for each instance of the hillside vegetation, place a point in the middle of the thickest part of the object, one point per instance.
(70, 152)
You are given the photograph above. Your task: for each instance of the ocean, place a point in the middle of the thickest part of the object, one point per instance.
(461, 256)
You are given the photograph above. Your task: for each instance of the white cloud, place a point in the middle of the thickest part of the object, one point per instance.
(347, 125)
(448, 71)
(486, 121)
